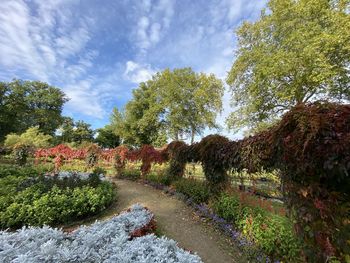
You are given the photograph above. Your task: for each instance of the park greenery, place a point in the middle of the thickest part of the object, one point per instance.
(290, 85)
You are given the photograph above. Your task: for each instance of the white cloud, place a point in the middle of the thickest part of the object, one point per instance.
(153, 23)
(137, 73)
(50, 46)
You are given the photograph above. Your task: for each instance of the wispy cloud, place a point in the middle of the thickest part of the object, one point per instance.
(97, 51)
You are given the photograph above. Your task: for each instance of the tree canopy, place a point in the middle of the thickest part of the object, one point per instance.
(75, 132)
(25, 104)
(106, 137)
(298, 51)
(178, 103)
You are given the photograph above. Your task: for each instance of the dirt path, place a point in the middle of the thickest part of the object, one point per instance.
(177, 221)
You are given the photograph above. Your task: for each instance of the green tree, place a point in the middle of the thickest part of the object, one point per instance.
(298, 51)
(189, 101)
(176, 104)
(25, 104)
(106, 137)
(139, 122)
(31, 137)
(74, 132)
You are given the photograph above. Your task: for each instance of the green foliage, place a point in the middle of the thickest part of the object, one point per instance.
(139, 123)
(26, 200)
(106, 138)
(158, 178)
(298, 51)
(75, 132)
(130, 174)
(272, 233)
(189, 101)
(31, 137)
(26, 104)
(174, 103)
(198, 191)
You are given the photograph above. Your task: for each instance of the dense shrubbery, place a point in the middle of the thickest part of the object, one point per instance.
(271, 232)
(196, 190)
(158, 178)
(30, 199)
(310, 146)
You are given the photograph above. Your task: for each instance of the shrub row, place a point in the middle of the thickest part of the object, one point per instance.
(31, 201)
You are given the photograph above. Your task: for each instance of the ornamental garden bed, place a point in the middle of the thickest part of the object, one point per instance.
(28, 196)
(123, 238)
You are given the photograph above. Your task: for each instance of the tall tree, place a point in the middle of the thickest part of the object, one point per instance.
(298, 51)
(139, 122)
(190, 101)
(25, 104)
(175, 104)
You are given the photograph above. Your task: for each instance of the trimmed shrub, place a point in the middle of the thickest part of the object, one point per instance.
(210, 154)
(176, 152)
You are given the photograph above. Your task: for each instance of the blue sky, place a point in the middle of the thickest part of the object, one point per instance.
(98, 51)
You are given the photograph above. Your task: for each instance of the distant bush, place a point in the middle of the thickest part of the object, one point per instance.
(158, 178)
(196, 190)
(131, 174)
(31, 137)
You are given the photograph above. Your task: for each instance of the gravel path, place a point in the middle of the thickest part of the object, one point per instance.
(177, 221)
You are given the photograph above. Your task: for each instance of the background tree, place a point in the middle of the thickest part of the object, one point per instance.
(75, 132)
(190, 101)
(139, 122)
(173, 104)
(25, 104)
(31, 137)
(297, 52)
(106, 137)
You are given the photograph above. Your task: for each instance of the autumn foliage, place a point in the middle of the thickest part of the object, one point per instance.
(310, 147)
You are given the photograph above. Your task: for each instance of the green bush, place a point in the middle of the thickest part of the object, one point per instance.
(131, 174)
(271, 232)
(158, 178)
(197, 190)
(26, 200)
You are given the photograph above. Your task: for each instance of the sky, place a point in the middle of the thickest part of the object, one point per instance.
(97, 51)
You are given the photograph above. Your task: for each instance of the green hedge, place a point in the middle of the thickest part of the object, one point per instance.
(197, 190)
(37, 201)
(271, 232)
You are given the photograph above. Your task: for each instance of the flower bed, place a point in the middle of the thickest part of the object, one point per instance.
(106, 241)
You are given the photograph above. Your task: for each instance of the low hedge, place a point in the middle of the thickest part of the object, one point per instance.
(271, 232)
(41, 201)
(196, 190)
(158, 178)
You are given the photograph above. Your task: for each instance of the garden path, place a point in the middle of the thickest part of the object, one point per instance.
(177, 221)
